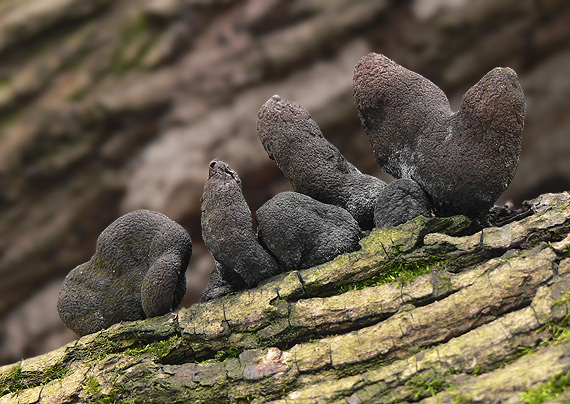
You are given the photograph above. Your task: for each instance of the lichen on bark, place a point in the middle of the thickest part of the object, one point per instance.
(489, 323)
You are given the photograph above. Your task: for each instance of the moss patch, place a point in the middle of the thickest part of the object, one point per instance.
(160, 349)
(14, 381)
(429, 384)
(93, 389)
(100, 348)
(230, 353)
(559, 330)
(401, 271)
(10, 381)
(547, 390)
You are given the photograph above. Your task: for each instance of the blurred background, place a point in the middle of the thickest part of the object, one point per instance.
(111, 106)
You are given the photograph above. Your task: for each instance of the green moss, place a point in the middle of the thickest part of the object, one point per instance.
(559, 330)
(158, 348)
(477, 370)
(374, 281)
(231, 353)
(93, 389)
(565, 252)
(520, 351)
(564, 300)
(409, 271)
(401, 271)
(98, 349)
(547, 390)
(53, 373)
(396, 249)
(223, 355)
(10, 382)
(429, 384)
(13, 381)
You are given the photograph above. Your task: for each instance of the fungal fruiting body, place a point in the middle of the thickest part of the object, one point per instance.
(227, 230)
(312, 165)
(400, 201)
(301, 232)
(464, 160)
(138, 271)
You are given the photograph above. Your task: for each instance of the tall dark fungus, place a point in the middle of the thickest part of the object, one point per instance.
(463, 161)
(312, 165)
(138, 271)
(227, 230)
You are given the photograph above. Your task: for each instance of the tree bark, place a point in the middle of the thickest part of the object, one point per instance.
(419, 314)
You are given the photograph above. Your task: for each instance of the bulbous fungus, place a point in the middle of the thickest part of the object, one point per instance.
(301, 232)
(227, 230)
(312, 165)
(138, 271)
(465, 160)
(400, 201)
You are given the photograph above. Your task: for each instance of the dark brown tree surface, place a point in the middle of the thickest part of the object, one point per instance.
(419, 314)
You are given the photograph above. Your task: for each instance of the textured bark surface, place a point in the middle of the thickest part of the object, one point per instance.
(474, 318)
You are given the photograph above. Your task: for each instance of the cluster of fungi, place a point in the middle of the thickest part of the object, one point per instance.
(445, 163)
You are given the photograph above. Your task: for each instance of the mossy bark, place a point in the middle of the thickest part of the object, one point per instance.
(489, 322)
